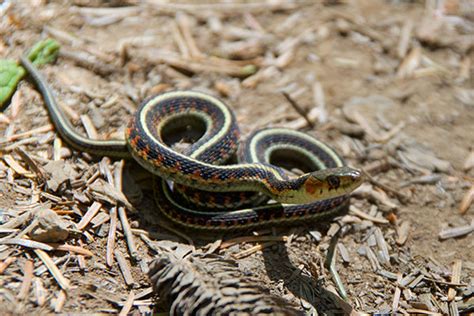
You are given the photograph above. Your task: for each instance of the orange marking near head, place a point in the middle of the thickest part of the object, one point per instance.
(310, 186)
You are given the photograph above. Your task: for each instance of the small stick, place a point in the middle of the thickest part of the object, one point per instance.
(42, 268)
(27, 278)
(127, 306)
(124, 268)
(81, 260)
(111, 237)
(12, 163)
(331, 265)
(127, 231)
(91, 212)
(91, 131)
(39, 130)
(457, 231)
(402, 197)
(53, 269)
(226, 7)
(396, 295)
(40, 292)
(253, 249)
(25, 243)
(320, 103)
(63, 36)
(70, 248)
(118, 175)
(354, 210)
(298, 108)
(239, 240)
(31, 163)
(178, 38)
(89, 61)
(205, 65)
(4, 264)
(405, 37)
(57, 144)
(183, 23)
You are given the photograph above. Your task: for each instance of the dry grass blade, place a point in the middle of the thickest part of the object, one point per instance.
(208, 284)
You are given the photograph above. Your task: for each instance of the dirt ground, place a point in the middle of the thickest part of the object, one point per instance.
(389, 84)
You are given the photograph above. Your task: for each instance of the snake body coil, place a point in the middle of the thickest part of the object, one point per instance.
(313, 195)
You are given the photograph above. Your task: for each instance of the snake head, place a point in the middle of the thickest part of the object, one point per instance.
(333, 182)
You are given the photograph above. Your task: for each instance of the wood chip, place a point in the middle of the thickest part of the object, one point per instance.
(467, 200)
(396, 296)
(344, 253)
(402, 232)
(457, 231)
(455, 278)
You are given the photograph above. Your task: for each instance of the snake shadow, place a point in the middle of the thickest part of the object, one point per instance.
(286, 268)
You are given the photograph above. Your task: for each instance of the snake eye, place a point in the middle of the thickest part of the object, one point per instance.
(333, 181)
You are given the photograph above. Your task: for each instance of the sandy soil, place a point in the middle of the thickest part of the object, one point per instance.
(352, 51)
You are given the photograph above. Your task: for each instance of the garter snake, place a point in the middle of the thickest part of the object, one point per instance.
(313, 195)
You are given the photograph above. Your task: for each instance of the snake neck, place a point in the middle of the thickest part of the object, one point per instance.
(285, 190)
